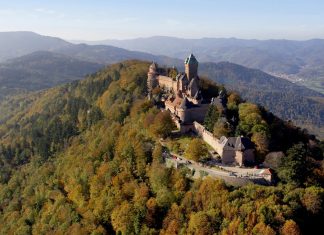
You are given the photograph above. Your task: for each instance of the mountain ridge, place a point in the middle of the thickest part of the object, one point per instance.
(43, 69)
(298, 61)
(96, 56)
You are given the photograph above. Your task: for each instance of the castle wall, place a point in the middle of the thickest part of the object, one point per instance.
(209, 138)
(198, 113)
(228, 157)
(170, 107)
(182, 114)
(167, 82)
(239, 158)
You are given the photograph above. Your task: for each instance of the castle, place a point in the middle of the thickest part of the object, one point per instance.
(188, 108)
(184, 101)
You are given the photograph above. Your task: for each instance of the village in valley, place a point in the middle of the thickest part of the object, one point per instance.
(231, 158)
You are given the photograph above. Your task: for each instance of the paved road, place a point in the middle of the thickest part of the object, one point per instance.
(228, 177)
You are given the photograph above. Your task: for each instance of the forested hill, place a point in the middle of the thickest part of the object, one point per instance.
(285, 99)
(84, 158)
(15, 44)
(29, 61)
(43, 69)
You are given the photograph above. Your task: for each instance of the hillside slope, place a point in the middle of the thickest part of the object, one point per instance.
(67, 166)
(43, 69)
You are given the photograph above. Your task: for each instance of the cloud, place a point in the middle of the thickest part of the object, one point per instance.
(45, 11)
(49, 12)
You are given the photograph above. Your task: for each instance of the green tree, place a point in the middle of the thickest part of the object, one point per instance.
(162, 125)
(293, 167)
(222, 128)
(197, 150)
(211, 117)
(233, 101)
(261, 141)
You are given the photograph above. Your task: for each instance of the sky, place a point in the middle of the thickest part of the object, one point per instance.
(123, 19)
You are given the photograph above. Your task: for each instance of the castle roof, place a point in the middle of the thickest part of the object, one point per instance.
(236, 143)
(191, 59)
(198, 95)
(153, 66)
(265, 172)
(181, 76)
(193, 82)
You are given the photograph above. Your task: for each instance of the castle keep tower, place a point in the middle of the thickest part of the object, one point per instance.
(191, 67)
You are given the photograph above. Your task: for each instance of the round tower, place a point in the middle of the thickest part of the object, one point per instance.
(182, 109)
(191, 67)
(151, 77)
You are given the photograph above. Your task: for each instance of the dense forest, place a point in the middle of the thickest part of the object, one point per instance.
(84, 158)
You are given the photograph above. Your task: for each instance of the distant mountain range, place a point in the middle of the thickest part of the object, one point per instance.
(56, 61)
(15, 44)
(298, 61)
(29, 61)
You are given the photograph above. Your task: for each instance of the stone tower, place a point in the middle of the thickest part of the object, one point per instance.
(191, 67)
(151, 78)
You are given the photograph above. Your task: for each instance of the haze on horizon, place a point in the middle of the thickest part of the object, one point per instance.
(123, 19)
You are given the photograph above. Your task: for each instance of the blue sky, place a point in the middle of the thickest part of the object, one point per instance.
(120, 19)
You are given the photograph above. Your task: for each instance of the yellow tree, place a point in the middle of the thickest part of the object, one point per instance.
(122, 218)
(290, 228)
(263, 229)
(200, 223)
